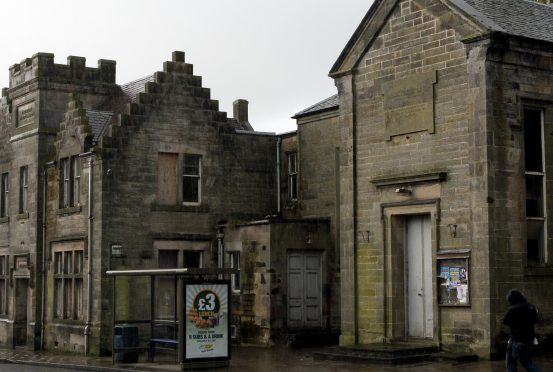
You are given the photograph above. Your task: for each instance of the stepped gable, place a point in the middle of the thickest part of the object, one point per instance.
(75, 133)
(41, 65)
(175, 87)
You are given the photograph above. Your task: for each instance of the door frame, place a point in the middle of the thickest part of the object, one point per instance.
(424, 265)
(394, 217)
(20, 323)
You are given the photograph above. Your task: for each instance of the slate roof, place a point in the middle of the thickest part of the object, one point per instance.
(525, 18)
(99, 121)
(132, 89)
(324, 105)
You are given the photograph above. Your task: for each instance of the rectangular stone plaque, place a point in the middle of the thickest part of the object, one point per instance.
(409, 104)
(25, 114)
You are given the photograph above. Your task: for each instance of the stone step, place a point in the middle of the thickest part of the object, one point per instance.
(374, 357)
(391, 354)
(311, 339)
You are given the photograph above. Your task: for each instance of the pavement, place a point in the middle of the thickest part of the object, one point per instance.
(245, 359)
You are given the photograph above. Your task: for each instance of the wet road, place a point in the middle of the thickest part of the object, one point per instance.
(276, 359)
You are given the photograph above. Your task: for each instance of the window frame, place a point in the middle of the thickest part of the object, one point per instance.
(68, 303)
(537, 221)
(190, 176)
(165, 308)
(4, 284)
(76, 180)
(4, 195)
(292, 158)
(70, 182)
(23, 189)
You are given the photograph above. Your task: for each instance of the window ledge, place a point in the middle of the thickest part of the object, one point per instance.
(22, 216)
(69, 210)
(392, 180)
(68, 322)
(538, 271)
(202, 208)
(4, 219)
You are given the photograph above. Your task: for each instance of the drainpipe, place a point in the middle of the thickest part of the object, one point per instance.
(43, 274)
(220, 236)
(87, 331)
(279, 140)
(355, 209)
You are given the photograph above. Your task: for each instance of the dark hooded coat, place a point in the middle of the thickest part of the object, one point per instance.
(520, 317)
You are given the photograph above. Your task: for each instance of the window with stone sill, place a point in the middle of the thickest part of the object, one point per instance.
(179, 179)
(70, 182)
(68, 284)
(535, 180)
(166, 286)
(23, 190)
(4, 284)
(293, 176)
(4, 195)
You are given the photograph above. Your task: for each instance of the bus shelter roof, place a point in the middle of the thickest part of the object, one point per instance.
(178, 272)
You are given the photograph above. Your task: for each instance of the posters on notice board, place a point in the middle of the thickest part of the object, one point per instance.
(453, 281)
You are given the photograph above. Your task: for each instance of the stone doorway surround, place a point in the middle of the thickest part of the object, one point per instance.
(394, 216)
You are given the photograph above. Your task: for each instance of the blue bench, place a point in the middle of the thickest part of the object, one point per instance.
(160, 341)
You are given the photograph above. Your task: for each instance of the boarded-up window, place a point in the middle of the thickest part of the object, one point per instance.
(167, 178)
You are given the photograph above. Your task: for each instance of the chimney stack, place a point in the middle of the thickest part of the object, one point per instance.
(240, 110)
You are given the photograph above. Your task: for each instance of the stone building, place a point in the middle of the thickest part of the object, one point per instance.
(443, 127)
(149, 174)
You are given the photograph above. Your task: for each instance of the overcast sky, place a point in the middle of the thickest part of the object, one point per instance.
(274, 53)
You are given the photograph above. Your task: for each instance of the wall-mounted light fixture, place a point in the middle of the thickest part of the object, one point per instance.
(308, 240)
(452, 230)
(366, 235)
(404, 191)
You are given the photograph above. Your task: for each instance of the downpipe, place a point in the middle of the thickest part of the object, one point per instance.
(87, 328)
(43, 263)
(279, 141)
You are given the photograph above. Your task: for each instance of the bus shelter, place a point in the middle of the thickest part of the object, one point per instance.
(188, 309)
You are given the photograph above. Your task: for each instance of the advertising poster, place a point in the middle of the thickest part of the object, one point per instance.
(207, 321)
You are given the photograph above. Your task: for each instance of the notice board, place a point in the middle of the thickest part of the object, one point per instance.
(453, 281)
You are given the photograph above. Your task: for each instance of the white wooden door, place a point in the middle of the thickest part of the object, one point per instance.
(418, 283)
(304, 290)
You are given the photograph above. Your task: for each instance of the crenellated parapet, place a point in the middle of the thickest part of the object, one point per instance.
(41, 65)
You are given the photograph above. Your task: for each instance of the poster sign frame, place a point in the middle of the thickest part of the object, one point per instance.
(453, 281)
(206, 305)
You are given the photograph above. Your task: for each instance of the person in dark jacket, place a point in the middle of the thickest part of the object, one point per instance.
(521, 318)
